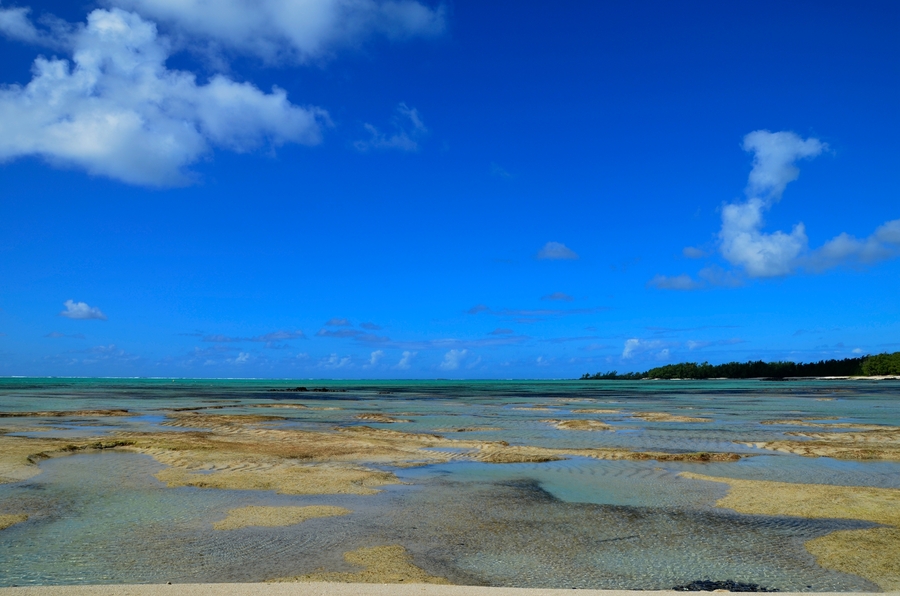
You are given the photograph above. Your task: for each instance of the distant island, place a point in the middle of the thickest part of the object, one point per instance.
(865, 366)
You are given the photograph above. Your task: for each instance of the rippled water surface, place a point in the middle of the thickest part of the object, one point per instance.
(579, 522)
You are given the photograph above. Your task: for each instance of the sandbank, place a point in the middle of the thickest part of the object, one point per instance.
(271, 517)
(872, 553)
(389, 564)
(7, 520)
(579, 424)
(666, 417)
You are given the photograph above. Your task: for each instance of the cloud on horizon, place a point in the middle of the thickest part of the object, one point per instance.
(268, 338)
(452, 359)
(81, 311)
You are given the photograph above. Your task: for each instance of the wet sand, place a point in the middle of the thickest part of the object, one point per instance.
(389, 564)
(334, 589)
(244, 451)
(272, 517)
(872, 553)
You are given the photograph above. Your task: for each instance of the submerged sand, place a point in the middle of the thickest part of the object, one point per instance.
(271, 517)
(7, 520)
(389, 564)
(872, 553)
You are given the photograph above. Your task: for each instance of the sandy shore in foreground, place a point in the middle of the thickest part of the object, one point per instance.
(333, 589)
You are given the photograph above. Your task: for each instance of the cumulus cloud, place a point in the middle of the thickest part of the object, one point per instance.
(845, 249)
(759, 254)
(116, 110)
(636, 346)
(290, 30)
(558, 296)
(555, 251)
(453, 359)
(334, 361)
(742, 241)
(408, 130)
(405, 360)
(80, 310)
(375, 357)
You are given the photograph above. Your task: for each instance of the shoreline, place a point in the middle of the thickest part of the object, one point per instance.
(338, 589)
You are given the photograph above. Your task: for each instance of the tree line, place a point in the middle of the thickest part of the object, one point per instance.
(865, 366)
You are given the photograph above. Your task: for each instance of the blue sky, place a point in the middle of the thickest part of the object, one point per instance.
(414, 189)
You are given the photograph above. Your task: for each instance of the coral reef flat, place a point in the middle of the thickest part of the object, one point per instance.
(623, 485)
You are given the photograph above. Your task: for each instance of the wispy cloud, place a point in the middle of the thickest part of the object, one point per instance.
(525, 313)
(555, 251)
(679, 282)
(81, 310)
(502, 331)
(370, 326)
(338, 322)
(500, 172)
(408, 131)
(268, 338)
(58, 335)
(287, 31)
(558, 296)
(352, 334)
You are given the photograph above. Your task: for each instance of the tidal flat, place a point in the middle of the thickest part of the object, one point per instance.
(791, 486)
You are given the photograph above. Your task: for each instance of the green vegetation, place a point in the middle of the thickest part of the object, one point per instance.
(866, 366)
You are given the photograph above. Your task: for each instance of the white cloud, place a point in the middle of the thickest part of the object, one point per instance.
(636, 346)
(405, 360)
(116, 110)
(15, 24)
(693, 252)
(334, 361)
(774, 154)
(845, 249)
(242, 358)
(375, 357)
(290, 30)
(744, 244)
(409, 129)
(453, 359)
(556, 251)
(742, 241)
(81, 310)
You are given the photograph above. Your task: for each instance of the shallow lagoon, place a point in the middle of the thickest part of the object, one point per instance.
(579, 522)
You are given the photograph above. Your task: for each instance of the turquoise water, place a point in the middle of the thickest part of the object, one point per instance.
(103, 518)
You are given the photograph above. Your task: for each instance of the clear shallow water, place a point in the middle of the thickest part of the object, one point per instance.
(103, 518)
